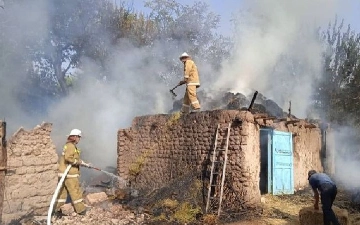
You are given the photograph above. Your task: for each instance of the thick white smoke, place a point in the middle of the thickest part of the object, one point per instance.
(346, 157)
(100, 108)
(277, 51)
(21, 23)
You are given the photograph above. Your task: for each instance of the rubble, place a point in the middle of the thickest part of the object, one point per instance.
(108, 213)
(239, 101)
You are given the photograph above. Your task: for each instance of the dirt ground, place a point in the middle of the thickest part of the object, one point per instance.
(284, 210)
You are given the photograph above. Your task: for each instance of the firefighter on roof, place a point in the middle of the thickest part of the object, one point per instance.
(191, 79)
(71, 155)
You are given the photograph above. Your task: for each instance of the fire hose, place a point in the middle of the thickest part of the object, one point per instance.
(56, 194)
(57, 190)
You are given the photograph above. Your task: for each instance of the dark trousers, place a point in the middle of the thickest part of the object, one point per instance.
(328, 194)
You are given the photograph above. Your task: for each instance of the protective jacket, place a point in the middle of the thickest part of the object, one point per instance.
(70, 155)
(191, 75)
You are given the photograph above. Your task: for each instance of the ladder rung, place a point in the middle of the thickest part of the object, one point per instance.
(213, 185)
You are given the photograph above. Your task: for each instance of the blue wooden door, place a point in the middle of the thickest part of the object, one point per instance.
(282, 170)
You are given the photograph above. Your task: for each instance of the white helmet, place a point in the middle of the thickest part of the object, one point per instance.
(75, 132)
(184, 55)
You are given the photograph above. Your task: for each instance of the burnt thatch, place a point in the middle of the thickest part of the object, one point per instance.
(235, 101)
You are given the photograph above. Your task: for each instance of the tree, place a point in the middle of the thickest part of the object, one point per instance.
(188, 28)
(338, 91)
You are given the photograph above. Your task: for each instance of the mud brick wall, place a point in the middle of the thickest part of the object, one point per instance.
(162, 147)
(169, 147)
(31, 177)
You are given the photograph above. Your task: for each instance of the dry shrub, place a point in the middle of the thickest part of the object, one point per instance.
(174, 118)
(309, 215)
(135, 168)
(170, 204)
(161, 217)
(186, 213)
(210, 219)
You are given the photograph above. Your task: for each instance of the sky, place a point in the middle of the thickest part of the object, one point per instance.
(228, 8)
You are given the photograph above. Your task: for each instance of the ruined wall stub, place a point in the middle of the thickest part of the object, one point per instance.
(32, 176)
(2, 164)
(163, 147)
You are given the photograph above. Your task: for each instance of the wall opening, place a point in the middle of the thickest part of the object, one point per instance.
(265, 149)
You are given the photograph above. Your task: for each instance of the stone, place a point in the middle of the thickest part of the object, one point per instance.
(67, 209)
(94, 198)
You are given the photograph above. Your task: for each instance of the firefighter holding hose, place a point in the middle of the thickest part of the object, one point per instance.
(71, 186)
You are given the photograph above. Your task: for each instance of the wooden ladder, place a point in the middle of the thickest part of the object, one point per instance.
(218, 167)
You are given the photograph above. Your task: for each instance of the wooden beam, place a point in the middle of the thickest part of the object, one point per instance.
(310, 125)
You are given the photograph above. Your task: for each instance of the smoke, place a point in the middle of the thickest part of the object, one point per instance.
(345, 144)
(21, 24)
(277, 50)
(100, 108)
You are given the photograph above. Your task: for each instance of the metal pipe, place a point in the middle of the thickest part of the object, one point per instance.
(252, 101)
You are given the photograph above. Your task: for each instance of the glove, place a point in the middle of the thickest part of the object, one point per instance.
(182, 82)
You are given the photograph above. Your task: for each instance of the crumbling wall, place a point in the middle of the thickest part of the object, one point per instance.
(2, 163)
(159, 148)
(31, 177)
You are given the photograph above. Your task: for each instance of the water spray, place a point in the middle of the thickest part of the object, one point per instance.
(122, 181)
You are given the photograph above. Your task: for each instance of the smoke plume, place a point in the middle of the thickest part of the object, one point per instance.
(277, 50)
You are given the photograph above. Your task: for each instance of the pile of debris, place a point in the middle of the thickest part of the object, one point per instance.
(236, 101)
(102, 209)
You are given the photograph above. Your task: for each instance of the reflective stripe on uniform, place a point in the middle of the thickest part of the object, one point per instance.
(195, 102)
(69, 175)
(186, 76)
(61, 200)
(186, 106)
(77, 201)
(74, 163)
(193, 84)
